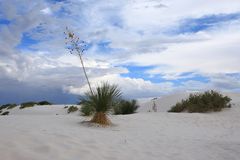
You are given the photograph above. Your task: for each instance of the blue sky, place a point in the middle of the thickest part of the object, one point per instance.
(149, 48)
(4, 22)
(206, 22)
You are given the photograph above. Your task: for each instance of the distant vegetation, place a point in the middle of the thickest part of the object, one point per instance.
(209, 101)
(27, 104)
(11, 106)
(125, 107)
(24, 105)
(8, 106)
(72, 109)
(44, 103)
(5, 113)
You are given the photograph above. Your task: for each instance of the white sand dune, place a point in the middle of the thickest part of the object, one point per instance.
(164, 103)
(39, 134)
(40, 110)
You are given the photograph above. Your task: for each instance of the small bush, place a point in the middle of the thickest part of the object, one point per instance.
(27, 105)
(87, 110)
(65, 107)
(72, 109)
(5, 113)
(44, 103)
(125, 107)
(0, 111)
(8, 106)
(179, 107)
(209, 101)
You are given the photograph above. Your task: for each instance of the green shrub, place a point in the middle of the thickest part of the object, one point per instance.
(8, 106)
(125, 107)
(72, 109)
(44, 103)
(87, 110)
(209, 101)
(27, 104)
(65, 107)
(179, 107)
(5, 113)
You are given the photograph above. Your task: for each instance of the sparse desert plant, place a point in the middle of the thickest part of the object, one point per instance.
(27, 104)
(44, 103)
(8, 106)
(5, 113)
(65, 107)
(102, 101)
(72, 109)
(209, 101)
(125, 107)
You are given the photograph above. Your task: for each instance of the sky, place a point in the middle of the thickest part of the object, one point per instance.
(149, 48)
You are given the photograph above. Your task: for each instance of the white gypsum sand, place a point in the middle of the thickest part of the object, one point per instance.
(39, 134)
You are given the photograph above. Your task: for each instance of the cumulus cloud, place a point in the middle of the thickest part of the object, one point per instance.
(120, 33)
(217, 54)
(132, 87)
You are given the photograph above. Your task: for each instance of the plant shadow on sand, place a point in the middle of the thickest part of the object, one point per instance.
(96, 125)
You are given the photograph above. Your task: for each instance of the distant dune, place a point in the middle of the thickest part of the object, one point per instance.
(164, 103)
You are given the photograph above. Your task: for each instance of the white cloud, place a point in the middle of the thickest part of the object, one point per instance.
(218, 54)
(46, 11)
(131, 87)
(136, 29)
(140, 17)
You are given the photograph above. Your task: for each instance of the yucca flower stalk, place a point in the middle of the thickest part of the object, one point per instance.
(74, 44)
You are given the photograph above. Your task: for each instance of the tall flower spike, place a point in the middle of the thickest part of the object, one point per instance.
(73, 44)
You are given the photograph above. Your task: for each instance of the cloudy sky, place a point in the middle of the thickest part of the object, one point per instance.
(147, 47)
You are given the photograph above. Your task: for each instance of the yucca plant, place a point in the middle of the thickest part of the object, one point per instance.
(101, 100)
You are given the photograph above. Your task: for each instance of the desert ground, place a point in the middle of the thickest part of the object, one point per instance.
(48, 132)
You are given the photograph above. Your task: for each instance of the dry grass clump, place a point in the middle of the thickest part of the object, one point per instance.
(72, 109)
(101, 118)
